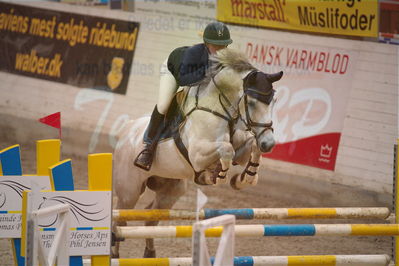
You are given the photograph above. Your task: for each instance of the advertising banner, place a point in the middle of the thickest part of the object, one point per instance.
(11, 188)
(348, 17)
(90, 220)
(309, 113)
(81, 50)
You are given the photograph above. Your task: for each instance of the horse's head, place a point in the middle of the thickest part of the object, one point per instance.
(237, 85)
(237, 74)
(258, 102)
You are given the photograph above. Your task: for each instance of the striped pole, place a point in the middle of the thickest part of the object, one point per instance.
(263, 230)
(338, 260)
(250, 214)
(396, 202)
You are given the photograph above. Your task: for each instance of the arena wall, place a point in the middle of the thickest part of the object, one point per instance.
(92, 118)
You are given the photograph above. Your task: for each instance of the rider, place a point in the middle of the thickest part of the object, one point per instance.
(185, 66)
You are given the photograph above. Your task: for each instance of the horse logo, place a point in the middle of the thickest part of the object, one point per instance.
(13, 186)
(3, 199)
(81, 211)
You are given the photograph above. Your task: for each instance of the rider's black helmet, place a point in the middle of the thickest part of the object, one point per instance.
(217, 33)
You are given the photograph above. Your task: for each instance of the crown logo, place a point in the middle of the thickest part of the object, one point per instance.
(325, 151)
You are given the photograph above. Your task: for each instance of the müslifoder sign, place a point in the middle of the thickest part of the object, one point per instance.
(342, 17)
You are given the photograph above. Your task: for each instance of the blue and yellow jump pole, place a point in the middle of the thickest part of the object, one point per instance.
(256, 230)
(315, 260)
(254, 213)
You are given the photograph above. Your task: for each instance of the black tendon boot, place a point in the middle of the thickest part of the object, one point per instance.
(151, 137)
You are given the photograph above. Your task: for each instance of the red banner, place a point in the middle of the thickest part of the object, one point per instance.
(311, 99)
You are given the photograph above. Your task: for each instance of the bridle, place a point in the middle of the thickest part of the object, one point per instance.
(261, 96)
(231, 119)
(249, 124)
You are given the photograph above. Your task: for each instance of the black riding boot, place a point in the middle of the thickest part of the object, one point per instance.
(151, 138)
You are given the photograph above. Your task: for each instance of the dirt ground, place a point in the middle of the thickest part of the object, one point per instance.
(273, 190)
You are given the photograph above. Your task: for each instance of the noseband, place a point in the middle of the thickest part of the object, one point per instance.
(251, 124)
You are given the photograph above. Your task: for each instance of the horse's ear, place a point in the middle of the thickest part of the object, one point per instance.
(274, 77)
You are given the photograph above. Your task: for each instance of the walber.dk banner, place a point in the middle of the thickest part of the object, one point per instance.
(312, 96)
(80, 50)
(344, 17)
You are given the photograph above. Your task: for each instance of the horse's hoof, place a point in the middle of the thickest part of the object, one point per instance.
(115, 239)
(201, 180)
(114, 255)
(115, 252)
(202, 183)
(254, 182)
(233, 182)
(149, 253)
(220, 181)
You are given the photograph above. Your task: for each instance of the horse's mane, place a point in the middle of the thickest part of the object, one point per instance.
(230, 58)
(227, 66)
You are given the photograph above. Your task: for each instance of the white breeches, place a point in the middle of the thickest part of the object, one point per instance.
(167, 89)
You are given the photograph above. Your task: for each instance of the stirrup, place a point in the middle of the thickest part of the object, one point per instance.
(142, 165)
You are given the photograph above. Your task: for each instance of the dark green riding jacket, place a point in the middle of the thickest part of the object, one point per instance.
(189, 64)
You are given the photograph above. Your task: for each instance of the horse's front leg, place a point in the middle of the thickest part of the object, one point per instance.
(205, 153)
(220, 173)
(250, 174)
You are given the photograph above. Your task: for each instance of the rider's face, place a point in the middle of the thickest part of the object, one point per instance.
(213, 48)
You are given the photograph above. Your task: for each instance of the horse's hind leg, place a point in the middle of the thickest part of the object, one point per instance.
(126, 201)
(168, 192)
(116, 242)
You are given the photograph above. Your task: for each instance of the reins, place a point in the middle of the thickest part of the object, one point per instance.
(226, 116)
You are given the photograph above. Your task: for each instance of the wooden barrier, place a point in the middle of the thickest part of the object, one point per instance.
(47, 153)
(100, 178)
(48, 156)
